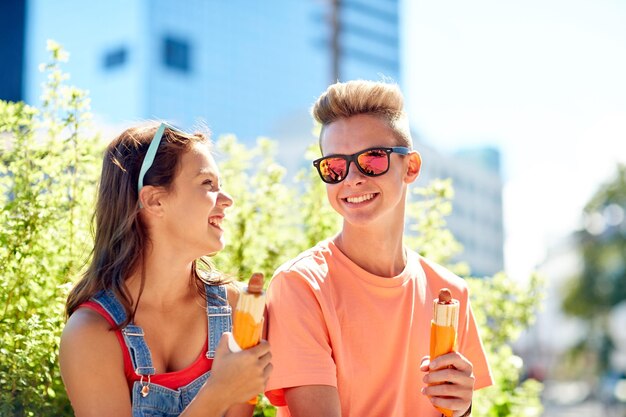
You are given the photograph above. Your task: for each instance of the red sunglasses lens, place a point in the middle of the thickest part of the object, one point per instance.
(333, 169)
(374, 162)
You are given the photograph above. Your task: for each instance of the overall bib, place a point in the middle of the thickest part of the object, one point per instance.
(152, 400)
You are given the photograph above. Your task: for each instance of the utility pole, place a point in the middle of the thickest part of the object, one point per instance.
(335, 47)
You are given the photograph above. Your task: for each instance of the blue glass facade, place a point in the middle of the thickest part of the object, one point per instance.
(248, 68)
(12, 30)
(369, 39)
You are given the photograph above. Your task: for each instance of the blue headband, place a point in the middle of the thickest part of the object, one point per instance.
(148, 160)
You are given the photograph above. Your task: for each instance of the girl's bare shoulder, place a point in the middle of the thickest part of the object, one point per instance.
(89, 335)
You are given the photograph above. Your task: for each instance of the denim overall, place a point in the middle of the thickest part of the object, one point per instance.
(149, 399)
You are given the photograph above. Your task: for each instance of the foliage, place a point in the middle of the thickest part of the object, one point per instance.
(46, 180)
(261, 227)
(428, 234)
(601, 285)
(502, 308)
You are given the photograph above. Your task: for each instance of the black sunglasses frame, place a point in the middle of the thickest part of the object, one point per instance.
(402, 150)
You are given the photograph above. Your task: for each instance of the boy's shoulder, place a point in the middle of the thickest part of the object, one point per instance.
(312, 262)
(439, 276)
(314, 258)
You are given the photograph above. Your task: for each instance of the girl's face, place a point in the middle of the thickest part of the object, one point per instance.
(194, 207)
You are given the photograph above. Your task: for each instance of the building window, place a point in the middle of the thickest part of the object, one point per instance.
(115, 58)
(176, 54)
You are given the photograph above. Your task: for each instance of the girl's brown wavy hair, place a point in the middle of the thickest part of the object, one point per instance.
(120, 237)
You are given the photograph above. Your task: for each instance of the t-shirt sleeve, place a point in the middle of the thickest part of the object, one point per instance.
(470, 346)
(298, 336)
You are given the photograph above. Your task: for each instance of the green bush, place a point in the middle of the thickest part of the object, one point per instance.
(503, 309)
(49, 170)
(46, 182)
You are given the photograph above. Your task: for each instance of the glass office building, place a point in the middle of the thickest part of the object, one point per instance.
(251, 68)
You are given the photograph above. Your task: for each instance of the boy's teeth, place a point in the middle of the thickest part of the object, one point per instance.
(360, 199)
(215, 222)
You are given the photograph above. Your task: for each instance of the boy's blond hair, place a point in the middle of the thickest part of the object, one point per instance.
(380, 99)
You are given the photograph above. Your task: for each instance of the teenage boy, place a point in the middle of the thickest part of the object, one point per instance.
(349, 319)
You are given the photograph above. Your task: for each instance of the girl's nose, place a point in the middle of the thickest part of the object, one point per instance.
(224, 199)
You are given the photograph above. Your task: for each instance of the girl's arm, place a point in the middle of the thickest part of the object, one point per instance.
(92, 367)
(240, 410)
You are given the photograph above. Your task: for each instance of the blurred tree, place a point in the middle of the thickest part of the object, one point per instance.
(261, 228)
(601, 284)
(503, 308)
(47, 178)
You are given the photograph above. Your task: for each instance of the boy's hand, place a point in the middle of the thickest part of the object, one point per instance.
(450, 381)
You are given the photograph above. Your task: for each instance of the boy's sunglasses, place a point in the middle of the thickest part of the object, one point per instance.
(371, 162)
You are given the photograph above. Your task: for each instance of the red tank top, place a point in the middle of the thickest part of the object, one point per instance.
(171, 380)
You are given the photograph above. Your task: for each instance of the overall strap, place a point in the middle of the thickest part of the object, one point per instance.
(111, 304)
(133, 335)
(219, 315)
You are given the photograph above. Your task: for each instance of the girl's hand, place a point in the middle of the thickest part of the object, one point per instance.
(241, 375)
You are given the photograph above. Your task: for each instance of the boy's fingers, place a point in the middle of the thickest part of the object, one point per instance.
(449, 376)
(452, 359)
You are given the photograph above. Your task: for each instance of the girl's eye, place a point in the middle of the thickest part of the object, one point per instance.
(210, 183)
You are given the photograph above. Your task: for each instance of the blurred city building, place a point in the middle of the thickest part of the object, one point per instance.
(547, 345)
(249, 68)
(476, 219)
(12, 33)
(547, 342)
(252, 69)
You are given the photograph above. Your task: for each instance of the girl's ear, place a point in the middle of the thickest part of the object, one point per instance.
(414, 167)
(150, 199)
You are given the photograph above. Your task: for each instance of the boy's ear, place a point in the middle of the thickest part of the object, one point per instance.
(414, 166)
(150, 198)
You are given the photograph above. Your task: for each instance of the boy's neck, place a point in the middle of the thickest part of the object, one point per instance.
(380, 254)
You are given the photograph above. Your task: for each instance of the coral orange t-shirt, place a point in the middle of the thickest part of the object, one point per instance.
(333, 323)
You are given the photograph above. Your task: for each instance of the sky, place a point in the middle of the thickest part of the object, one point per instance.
(544, 81)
